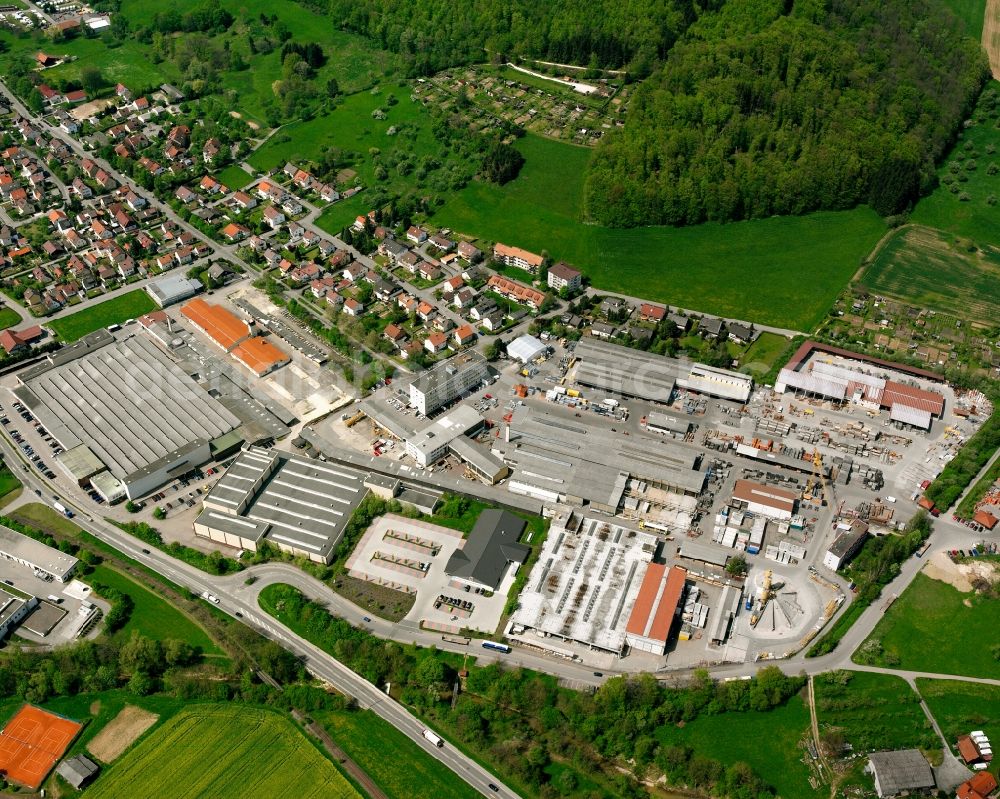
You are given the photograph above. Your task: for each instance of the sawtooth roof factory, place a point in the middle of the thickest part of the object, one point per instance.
(643, 375)
(300, 505)
(595, 583)
(124, 406)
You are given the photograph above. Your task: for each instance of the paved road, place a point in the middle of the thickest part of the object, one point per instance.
(243, 606)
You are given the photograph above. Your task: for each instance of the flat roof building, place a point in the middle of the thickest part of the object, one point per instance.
(695, 550)
(489, 549)
(300, 505)
(131, 405)
(447, 381)
(626, 372)
(715, 382)
(656, 606)
(584, 585)
(80, 463)
(173, 289)
(449, 434)
(36, 555)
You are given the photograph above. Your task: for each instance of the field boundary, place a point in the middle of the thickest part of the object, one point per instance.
(991, 36)
(355, 771)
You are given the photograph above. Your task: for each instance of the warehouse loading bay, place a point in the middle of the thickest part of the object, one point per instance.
(842, 462)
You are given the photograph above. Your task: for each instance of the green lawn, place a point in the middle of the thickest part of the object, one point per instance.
(768, 742)
(872, 711)
(961, 707)
(10, 486)
(935, 628)
(234, 177)
(8, 318)
(152, 615)
(762, 354)
(974, 218)
(410, 773)
(934, 269)
(784, 271)
(224, 752)
(48, 520)
(130, 305)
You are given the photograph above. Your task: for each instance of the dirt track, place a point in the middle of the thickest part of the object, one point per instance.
(991, 35)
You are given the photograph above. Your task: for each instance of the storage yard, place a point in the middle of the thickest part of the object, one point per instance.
(707, 468)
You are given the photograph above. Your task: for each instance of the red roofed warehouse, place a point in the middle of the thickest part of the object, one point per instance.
(655, 607)
(222, 326)
(766, 500)
(260, 356)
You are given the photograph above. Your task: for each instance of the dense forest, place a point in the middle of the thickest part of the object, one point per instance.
(434, 34)
(774, 107)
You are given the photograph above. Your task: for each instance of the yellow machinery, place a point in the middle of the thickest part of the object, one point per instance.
(820, 478)
(765, 597)
(355, 419)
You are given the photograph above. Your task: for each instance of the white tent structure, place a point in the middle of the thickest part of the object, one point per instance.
(525, 348)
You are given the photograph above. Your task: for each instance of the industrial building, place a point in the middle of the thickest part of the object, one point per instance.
(173, 289)
(846, 545)
(902, 771)
(235, 336)
(449, 434)
(655, 609)
(667, 424)
(435, 388)
(580, 463)
(14, 608)
(489, 550)
(765, 500)
(36, 556)
(628, 372)
(843, 376)
(525, 348)
(143, 417)
(300, 505)
(584, 585)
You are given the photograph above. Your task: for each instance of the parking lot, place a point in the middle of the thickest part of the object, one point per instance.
(410, 556)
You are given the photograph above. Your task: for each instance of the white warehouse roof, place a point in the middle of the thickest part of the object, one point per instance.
(525, 348)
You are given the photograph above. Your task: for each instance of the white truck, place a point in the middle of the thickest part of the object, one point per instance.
(434, 739)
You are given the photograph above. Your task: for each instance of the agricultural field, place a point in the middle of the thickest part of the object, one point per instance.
(934, 627)
(872, 712)
(784, 271)
(153, 616)
(970, 176)
(961, 707)
(130, 305)
(769, 742)
(937, 270)
(224, 752)
(408, 773)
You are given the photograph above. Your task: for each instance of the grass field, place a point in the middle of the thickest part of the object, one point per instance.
(8, 318)
(971, 12)
(873, 711)
(409, 773)
(961, 707)
(938, 270)
(784, 271)
(935, 628)
(153, 616)
(974, 217)
(234, 177)
(44, 518)
(223, 752)
(10, 486)
(763, 353)
(769, 742)
(130, 305)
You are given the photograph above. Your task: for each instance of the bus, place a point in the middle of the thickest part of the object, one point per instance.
(496, 647)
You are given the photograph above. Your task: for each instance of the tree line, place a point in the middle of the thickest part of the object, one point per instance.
(523, 722)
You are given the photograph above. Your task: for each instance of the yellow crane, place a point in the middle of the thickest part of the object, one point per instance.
(821, 481)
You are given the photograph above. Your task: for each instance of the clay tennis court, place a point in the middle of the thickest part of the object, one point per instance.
(32, 742)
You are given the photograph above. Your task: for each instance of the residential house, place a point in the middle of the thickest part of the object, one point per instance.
(518, 292)
(426, 311)
(493, 321)
(416, 234)
(741, 333)
(436, 342)
(710, 327)
(428, 271)
(464, 335)
(234, 232)
(394, 333)
(442, 243)
(451, 285)
(652, 313)
(273, 218)
(210, 150)
(463, 298)
(185, 195)
(353, 308)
